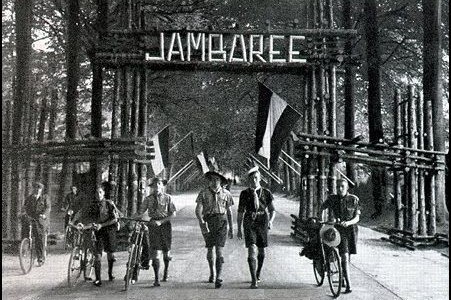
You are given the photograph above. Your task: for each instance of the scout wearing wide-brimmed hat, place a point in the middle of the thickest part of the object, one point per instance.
(214, 213)
(160, 210)
(256, 213)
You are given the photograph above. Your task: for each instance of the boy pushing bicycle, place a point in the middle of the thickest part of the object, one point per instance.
(345, 208)
(101, 213)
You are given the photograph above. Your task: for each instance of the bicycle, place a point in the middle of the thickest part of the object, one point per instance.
(134, 249)
(26, 249)
(82, 256)
(327, 260)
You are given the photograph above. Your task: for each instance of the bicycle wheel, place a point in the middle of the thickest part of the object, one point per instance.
(88, 264)
(318, 270)
(334, 272)
(74, 267)
(130, 265)
(26, 255)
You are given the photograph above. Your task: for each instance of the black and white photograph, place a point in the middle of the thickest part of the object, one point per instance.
(225, 149)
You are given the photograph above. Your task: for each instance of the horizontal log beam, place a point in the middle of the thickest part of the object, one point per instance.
(364, 144)
(114, 62)
(371, 161)
(316, 32)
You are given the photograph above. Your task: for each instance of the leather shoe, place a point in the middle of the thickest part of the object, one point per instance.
(218, 283)
(97, 283)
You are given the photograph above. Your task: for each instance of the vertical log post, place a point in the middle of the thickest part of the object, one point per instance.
(412, 177)
(430, 175)
(311, 188)
(332, 102)
(405, 194)
(399, 212)
(422, 228)
(322, 126)
(132, 175)
(123, 166)
(304, 161)
(142, 132)
(113, 168)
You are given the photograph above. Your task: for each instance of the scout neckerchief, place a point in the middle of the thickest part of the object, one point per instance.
(256, 198)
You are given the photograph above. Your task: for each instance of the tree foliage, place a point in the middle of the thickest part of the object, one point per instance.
(219, 107)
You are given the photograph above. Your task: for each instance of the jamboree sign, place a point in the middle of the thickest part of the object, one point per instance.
(215, 47)
(223, 50)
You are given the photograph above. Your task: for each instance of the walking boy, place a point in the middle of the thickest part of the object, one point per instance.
(255, 204)
(213, 210)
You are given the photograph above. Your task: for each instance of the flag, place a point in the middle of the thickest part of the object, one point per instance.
(203, 163)
(161, 145)
(275, 120)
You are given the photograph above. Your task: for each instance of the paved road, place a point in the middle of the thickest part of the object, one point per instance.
(379, 271)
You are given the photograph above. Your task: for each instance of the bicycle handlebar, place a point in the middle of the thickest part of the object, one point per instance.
(85, 227)
(132, 219)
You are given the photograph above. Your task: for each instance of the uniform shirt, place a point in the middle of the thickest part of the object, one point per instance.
(345, 208)
(158, 206)
(214, 202)
(265, 199)
(97, 212)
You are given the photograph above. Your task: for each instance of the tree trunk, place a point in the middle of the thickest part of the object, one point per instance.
(73, 68)
(349, 89)
(73, 76)
(376, 133)
(51, 134)
(24, 15)
(432, 91)
(40, 137)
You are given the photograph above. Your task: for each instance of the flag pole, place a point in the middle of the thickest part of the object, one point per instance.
(292, 159)
(345, 177)
(176, 144)
(288, 165)
(181, 170)
(273, 176)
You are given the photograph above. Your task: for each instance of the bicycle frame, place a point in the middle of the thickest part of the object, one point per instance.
(80, 253)
(328, 253)
(135, 250)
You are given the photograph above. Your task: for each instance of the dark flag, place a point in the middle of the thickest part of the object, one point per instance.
(275, 120)
(161, 145)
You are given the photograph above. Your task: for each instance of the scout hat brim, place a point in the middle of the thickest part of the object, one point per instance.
(214, 173)
(330, 235)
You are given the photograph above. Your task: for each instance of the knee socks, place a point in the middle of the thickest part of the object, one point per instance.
(97, 269)
(219, 262)
(252, 263)
(260, 258)
(110, 268)
(156, 268)
(166, 266)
